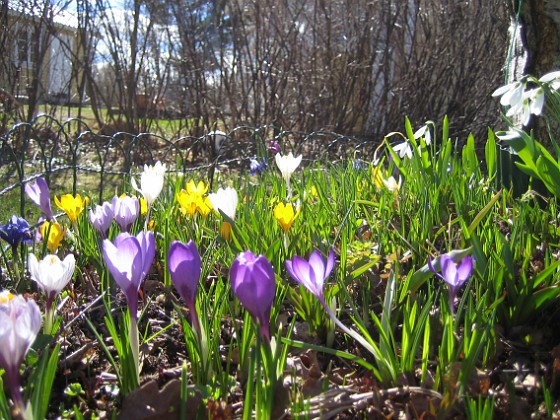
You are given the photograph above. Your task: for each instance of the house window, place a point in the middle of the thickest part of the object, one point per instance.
(23, 50)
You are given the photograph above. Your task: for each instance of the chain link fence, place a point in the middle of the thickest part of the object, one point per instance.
(69, 152)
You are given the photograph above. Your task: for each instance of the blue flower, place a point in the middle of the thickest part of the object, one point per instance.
(258, 167)
(358, 165)
(16, 231)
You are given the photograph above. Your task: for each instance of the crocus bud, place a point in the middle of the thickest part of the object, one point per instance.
(39, 193)
(254, 284)
(184, 265)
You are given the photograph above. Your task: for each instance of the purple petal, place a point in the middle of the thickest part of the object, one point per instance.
(464, 269)
(39, 193)
(147, 243)
(124, 261)
(184, 265)
(448, 270)
(266, 282)
(330, 263)
(254, 284)
(301, 271)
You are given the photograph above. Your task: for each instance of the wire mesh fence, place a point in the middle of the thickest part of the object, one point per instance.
(70, 151)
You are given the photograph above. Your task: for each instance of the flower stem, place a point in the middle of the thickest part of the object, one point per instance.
(134, 345)
(350, 332)
(147, 220)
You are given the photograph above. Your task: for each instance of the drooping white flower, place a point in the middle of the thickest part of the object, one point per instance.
(522, 102)
(511, 94)
(553, 78)
(425, 133)
(403, 149)
(536, 100)
(225, 199)
(151, 182)
(508, 135)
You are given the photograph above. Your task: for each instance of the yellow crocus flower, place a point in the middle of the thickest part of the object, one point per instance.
(187, 202)
(285, 214)
(199, 189)
(204, 206)
(54, 234)
(192, 200)
(71, 205)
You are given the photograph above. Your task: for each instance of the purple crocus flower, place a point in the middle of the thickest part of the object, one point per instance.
(39, 193)
(273, 148)
(313, 273)
(125, 211)
(184, 265)
(16, 231)
(257, 167)
(101, 218)
(254, 284)
(129, 259)
(20, 322)
(454, 274)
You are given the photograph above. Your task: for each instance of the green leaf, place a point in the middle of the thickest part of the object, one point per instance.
(482, 213)
(491, 155)
(43, 379)
(470, 160)
(549, 174)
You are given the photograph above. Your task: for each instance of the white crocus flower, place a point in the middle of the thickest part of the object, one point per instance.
(225, 199)
(151, 182)
(51, 274)
(287, 164)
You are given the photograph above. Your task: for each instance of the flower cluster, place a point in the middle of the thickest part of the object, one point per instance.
(523, 101)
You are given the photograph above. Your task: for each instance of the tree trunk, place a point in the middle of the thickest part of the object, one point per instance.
(542, 34)
(534, 39)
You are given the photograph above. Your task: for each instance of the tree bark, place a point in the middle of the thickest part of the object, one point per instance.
(534, 47)
(541, 34)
